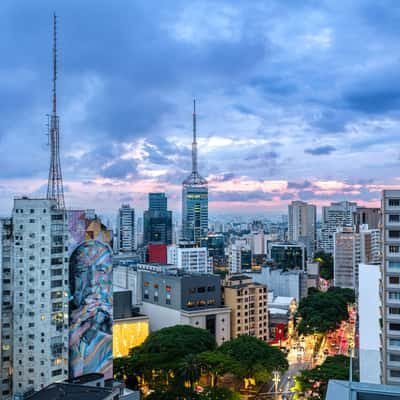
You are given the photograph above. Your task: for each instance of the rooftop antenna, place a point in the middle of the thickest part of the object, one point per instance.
(55, 183)
(194, 144)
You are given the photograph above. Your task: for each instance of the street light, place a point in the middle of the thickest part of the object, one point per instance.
(276, 379)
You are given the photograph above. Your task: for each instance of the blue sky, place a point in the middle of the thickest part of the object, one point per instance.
(296, 100)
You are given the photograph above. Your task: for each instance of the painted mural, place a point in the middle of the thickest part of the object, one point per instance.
(90, 341)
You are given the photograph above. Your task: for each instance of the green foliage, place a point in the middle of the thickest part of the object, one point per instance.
(182, 393)
(322, 312)
(216, 364)
(166, 348)
(190, 369)
(219, 394)
(325, 264)
(316, 380)
(255, 359)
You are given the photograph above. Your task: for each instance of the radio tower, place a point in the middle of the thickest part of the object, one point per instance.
(55, 184)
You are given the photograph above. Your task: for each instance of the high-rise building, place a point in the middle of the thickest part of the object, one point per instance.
(346, 257)
(157, 221)
(302, 225)
(195, 200)
(40, 290)
(126, 242)
(240, 257)
(366, 216)
(368, 305)
(189, 258)
(158, 201)
(6, 316)
(337, 215)
(390, 288)
(241, 292)
(288, 255)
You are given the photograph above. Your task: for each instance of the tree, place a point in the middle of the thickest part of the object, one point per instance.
(255, 358)
(165, 349)
(316, 380)
(216, 364)
(325, 261)
(190, 369)
(322, 312)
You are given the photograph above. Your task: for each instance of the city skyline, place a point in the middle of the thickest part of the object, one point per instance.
(295, 108)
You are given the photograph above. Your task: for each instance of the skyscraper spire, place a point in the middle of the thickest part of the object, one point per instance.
(55, 184)
(194, 144)
(194, 178)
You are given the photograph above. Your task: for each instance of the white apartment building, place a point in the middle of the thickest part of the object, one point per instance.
(126, 237)
(390, 288)
(369, 330)
(302, 225)
(190, 259)
(335, 216)
(235, 253)
(40, 294)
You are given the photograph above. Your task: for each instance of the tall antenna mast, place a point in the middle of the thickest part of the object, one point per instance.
(55, 188)
(194, 144)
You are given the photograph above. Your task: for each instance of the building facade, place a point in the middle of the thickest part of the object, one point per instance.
(288, 255)
(335, 216)
(346, 257)
(390, 292)
(185, 299)
(157, 221)
(40, 305)
(126, 236)
(248, 301)
(189, 258)
(302, 225)
(6, 316)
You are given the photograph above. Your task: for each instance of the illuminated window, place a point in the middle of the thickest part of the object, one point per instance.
(168, 288)
(42, 317)
(146, 284)
(156, 285)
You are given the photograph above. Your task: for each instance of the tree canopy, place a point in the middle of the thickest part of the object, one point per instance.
(316, 380)
(255, 358)
(322, 312)
(325, 261)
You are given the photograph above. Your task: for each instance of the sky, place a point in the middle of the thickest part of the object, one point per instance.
(296, 100)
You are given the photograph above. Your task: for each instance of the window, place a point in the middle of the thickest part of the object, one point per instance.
(394, 249)
(394, 264)
(394, 295)
(394, 342)
(201, 289)
(192, 290)
(394, 234)
(394, 280)
(201, 303)
(394, 327)
(156, 285)
(211, 302)
(394, 357)
(146, 294)
(394, 373)
(168, 288)
(190, 303)
(394, 218)
(211, 288)
(394, 310)
(394, 202)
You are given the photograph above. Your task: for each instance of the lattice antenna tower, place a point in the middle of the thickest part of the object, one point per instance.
(55, 188)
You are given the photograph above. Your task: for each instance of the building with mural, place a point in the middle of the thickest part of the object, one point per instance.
(91, 295)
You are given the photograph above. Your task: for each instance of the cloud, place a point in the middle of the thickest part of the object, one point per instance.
(321, 150)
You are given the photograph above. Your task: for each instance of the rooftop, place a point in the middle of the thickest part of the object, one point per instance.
(361, 391)
(68, 391)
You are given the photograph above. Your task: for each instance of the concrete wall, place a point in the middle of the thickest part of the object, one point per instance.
(369, 314)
